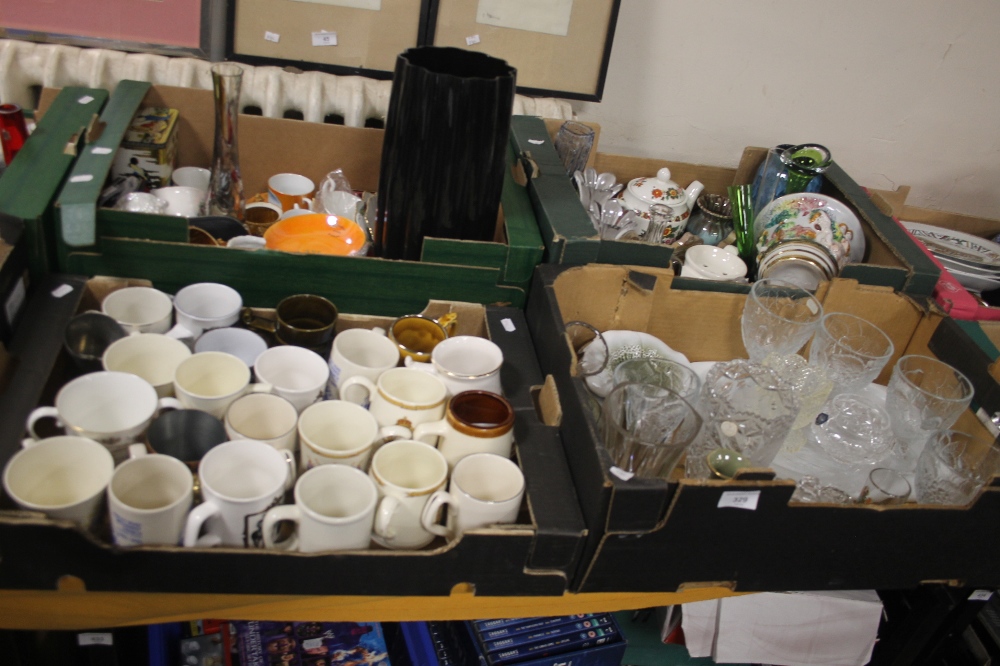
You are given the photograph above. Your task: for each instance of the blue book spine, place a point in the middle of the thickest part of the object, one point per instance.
(572, 642)
(545, 634)
(528, 625)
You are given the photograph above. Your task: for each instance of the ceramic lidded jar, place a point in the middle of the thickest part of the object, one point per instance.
(643, 192)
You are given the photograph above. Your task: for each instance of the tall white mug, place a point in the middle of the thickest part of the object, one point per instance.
(149, 497)
(406, 473)
(212, 381)
(360, 352)
(140, 309)
(240, 480)
(485, 489)
(464, 363)
(334, 510)
(297, 374)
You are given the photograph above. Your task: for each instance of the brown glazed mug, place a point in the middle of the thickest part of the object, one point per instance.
(303, 320)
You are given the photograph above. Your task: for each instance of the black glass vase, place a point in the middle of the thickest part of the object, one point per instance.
(444, 151)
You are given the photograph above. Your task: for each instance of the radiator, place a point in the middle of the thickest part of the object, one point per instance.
(24, 66)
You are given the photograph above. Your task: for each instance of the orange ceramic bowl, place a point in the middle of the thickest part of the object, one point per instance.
(317, 233)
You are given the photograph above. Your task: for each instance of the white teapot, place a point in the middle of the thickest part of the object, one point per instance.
(642, 193)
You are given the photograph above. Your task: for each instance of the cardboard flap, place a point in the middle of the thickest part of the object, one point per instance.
(78, 199)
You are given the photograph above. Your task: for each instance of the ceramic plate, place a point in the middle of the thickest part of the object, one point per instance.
(962, 247)
(622, 346)
(805, 215)
(976, 269)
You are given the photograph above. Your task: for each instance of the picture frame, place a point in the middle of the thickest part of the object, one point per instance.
(193, 28)
(347, 37)
(560, 48)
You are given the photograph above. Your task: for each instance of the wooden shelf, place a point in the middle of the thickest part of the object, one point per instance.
(33, 609)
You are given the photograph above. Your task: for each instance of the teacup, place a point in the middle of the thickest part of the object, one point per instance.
(183, 201)
(295, 373)
(288, 189)
(304, 320)
(152, 356)
(88, 335)
(259, 215)
(140, 309)
(203, 306)
(112, 408)
(240, 342)
(191, 176)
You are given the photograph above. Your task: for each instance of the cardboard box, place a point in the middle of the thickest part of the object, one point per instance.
(891, 259)
(149, 147)
(666, 534)
(536, 555)
(90, 241)
(949, 293)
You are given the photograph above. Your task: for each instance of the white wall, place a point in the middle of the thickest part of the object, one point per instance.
(901, 92)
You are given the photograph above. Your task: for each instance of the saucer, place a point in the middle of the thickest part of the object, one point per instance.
(709, 262)
(816, 217)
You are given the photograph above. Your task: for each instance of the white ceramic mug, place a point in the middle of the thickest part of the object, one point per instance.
(211, 381)
(464, 363)
(63, 477)
(334, 510)
(149, 497)
(288, 189)
(295, 373)
(152, 356)
(402, 396)
(474, 422)
(190, 176)
(341, 432)
(203, 306)
(112, 408)
(406, 473)
(182, 200)
(485, 489)
(263, 417)
(240, 480)
(140, 309)
(360, 351)
(240, 342)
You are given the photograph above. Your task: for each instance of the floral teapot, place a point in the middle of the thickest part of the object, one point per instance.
(644, 192)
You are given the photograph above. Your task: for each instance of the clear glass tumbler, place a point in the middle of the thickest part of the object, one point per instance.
(647, 428)
(953, 467)
(778, 318)
(924, 395)
(573, 143)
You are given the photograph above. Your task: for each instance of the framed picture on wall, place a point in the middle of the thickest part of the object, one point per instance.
(192, 28)
(338, 36)
(560, 48)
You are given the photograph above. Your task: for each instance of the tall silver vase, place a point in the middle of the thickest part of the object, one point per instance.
(225, 190)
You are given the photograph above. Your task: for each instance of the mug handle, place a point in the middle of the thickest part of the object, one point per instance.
(260, 387)
(40, 413)
(447, 322)
(292, 469)
(428, 517)
(168, 404)
(182, 332)
(137, 450)
(383, 514)
(419, 365)
(359, 380)
(260, 323)
(195, 520)
(389, 433)
(429, 432)
(275, 515)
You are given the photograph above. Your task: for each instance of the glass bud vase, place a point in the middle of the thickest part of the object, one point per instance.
(225, 190)
(804, 163)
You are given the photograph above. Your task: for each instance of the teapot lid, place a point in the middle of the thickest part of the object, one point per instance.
(658, 189)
